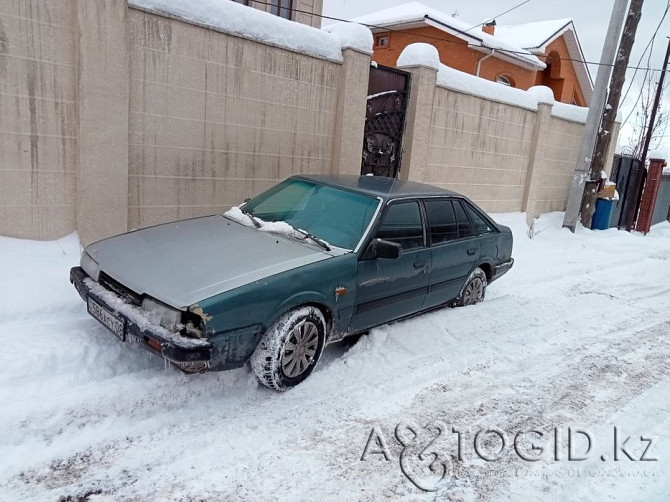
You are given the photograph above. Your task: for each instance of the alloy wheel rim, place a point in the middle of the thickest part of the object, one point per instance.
(473, 292)
(300, 349)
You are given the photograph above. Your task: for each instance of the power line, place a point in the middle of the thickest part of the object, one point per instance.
(650, 47)
(429, 37)
(499, 15)
(649, 44)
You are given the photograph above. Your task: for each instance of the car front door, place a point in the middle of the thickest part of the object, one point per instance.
(390, 288)
(455, 249)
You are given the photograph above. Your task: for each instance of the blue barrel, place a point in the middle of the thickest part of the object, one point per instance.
(602, 215)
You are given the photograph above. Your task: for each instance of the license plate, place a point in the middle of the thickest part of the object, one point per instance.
(106, 318)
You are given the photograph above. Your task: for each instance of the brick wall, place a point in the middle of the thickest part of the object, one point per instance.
(455, 53)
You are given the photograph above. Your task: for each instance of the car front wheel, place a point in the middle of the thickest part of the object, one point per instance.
(290, 348)
(474, 289)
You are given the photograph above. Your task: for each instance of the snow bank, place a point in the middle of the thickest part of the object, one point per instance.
(419, 54)
(236, 19)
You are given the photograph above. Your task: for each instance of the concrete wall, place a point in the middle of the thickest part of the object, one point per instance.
(503, 156)
(112, 118)
(479, 148)
(38, 118)
(215, 118)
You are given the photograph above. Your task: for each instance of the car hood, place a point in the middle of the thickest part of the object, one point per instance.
(184, 262)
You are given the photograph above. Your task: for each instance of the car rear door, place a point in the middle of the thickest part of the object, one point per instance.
(454, 246)
(388, 289)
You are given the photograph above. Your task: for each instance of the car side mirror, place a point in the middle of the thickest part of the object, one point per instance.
(380, 248)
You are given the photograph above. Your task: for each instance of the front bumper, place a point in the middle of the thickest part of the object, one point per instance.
(183, 355)
(502, 268)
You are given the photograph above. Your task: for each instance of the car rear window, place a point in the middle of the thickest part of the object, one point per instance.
(481, 225)
(465, 228)
(442, 220)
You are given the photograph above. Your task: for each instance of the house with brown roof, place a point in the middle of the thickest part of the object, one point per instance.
(542, 53)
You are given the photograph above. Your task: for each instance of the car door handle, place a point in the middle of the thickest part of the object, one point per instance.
(419, 264)
(471, 251)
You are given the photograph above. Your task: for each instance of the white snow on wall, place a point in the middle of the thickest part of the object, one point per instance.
(353, 36)
(419, 54)
(236, 19)
(658, 154)
(450, 78)
(570, 112)
(469, 84)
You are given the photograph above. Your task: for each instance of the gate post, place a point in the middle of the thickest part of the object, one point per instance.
(538, 141)
(350, 113)
(416, 139)
(645, 216)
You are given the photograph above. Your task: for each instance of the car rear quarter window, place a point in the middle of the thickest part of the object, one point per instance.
(481, 225)
(402, 224)
(465, 228)
(442, 220)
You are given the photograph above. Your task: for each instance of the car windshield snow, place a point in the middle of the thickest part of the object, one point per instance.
(336, 216)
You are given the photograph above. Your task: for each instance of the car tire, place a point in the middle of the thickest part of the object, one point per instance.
(290, 349)
(474, 289)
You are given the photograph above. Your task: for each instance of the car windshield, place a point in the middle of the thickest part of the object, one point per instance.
(336, 216)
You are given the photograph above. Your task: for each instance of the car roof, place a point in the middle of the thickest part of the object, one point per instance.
(379, 186)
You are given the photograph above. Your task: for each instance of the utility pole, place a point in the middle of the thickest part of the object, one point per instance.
(657, 101)
(604, 140)
(595, 114)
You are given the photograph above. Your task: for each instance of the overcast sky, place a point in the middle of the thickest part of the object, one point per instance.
(590, 17)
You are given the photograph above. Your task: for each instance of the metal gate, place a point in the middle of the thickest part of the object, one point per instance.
(628, 175)
(388, 90)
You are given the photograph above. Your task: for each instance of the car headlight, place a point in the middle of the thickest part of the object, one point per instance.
(90, 266)
(166, 316)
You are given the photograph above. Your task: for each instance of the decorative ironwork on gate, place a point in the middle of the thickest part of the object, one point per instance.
(384, 121)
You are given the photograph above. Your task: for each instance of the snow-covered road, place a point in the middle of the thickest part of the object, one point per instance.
(576, 335)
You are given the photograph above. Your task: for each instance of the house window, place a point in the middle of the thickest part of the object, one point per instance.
(505, 80)
(382, 42)
(243, 2)
(281, 8)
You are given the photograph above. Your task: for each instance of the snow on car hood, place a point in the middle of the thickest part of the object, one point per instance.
(184, 262)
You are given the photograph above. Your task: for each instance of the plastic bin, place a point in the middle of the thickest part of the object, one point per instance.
(602, 215)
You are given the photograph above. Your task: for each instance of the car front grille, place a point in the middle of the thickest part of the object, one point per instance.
(119, 289)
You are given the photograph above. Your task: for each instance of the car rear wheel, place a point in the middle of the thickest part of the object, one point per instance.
(290, 348)
(474, 289)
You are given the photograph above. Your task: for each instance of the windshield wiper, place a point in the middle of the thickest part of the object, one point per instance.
(314, 238)
(253, 219)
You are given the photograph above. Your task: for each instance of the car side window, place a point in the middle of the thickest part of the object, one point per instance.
(402, 224)
(465, 228)
(481, 225)
(442, 220)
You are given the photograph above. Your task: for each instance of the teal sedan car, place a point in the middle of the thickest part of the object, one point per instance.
(306, 263)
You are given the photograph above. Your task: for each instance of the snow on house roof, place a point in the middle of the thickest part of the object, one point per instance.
(236, 19)
(532, 35)
(535, 37)
(413, 13)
